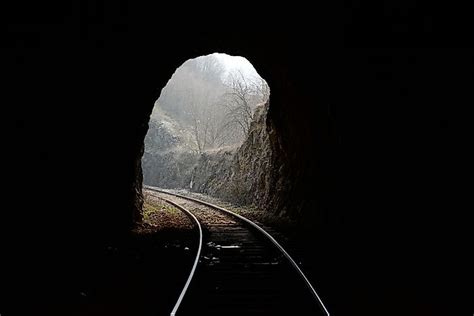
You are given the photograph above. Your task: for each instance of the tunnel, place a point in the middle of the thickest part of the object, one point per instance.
(359, 137)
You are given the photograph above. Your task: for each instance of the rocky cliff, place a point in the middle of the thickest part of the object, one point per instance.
(250, 176)
(253, 174)
(165, 162)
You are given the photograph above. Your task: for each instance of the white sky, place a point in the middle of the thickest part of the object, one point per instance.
(237, 63)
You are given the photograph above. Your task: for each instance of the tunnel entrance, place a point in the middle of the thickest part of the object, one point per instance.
(204, 115)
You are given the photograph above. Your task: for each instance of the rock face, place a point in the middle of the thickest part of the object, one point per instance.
(246, 175)
(171, 169)
(254, 174)
(243, 177)
(165, 163)
(168, 163)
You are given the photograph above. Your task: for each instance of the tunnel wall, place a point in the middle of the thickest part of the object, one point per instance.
(364, 136)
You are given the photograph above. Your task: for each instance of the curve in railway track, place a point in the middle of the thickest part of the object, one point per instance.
(239, 269)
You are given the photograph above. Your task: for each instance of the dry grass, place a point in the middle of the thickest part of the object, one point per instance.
(159, 215)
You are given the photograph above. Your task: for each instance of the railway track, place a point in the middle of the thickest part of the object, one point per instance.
(239, 268)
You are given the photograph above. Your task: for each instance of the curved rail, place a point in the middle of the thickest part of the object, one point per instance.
(198, 254)
(273, 240)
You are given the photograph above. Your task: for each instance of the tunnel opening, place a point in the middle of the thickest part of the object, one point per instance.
(210, 136)
(202, 125)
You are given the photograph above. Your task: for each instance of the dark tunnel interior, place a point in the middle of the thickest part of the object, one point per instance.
(368, 121)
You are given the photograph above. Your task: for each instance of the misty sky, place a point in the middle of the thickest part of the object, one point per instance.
(236, 63)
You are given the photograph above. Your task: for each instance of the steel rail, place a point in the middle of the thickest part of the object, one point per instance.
(260, 229)
(198, 255)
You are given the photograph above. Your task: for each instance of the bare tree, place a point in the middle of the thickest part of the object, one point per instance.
(198, 118)
(241, 99)
(210, 69)
(261, 89)
(208, 126)
(217, 129)
(211, 111)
